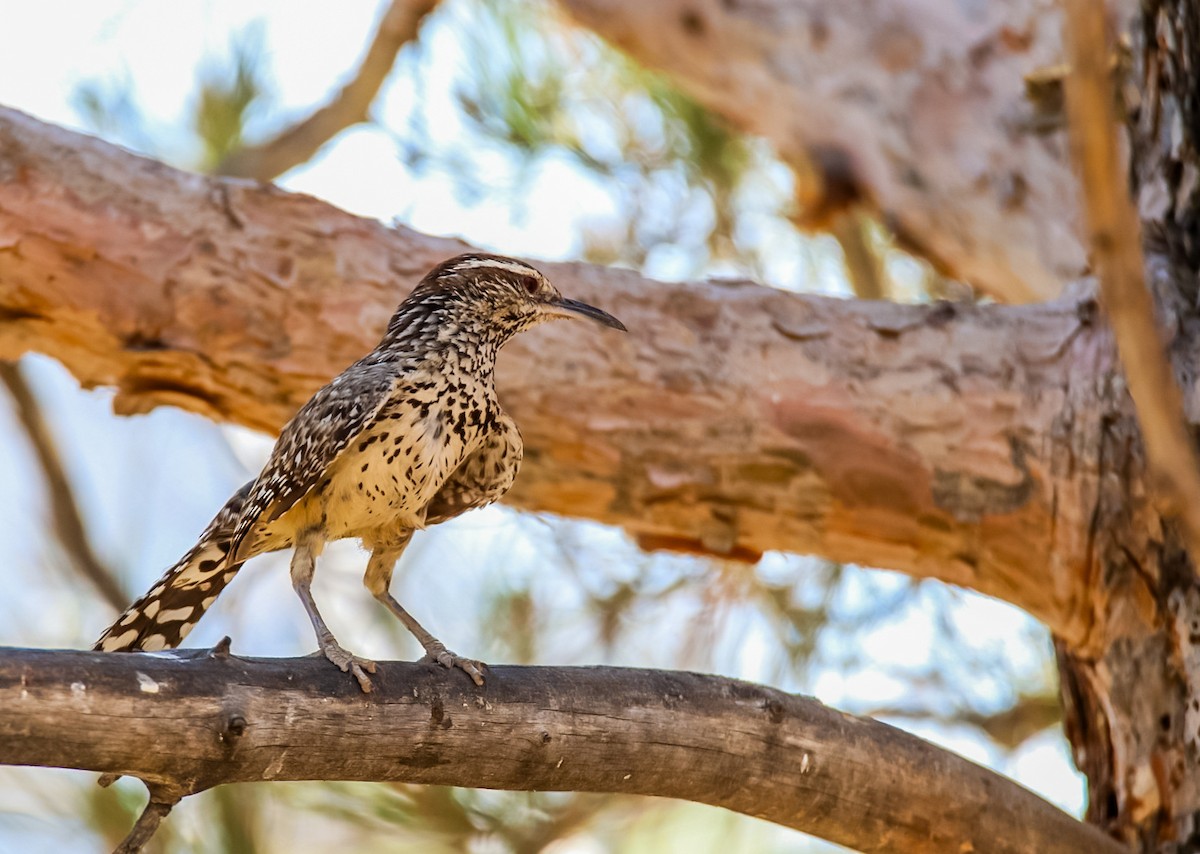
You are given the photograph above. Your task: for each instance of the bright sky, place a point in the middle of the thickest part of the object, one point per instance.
(48, 48)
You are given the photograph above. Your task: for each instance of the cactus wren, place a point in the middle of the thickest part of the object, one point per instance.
(408, 436)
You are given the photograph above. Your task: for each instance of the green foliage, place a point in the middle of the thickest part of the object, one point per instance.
(229, 90)
(110, 108)
(537, 88)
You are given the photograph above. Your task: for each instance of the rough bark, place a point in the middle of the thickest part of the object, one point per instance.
(1132, 696)
(1131, 692)
(949, 441)
(1115, 237)
(220, 719)
(919, 109)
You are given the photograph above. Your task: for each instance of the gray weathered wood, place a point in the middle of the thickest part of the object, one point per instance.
(188, 721)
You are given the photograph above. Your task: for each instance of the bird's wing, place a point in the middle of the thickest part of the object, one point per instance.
(481, 478)
(311, 441)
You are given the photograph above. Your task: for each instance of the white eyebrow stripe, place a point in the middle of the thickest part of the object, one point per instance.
(510, 266)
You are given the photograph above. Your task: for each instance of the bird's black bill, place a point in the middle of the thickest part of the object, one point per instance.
(575, 308)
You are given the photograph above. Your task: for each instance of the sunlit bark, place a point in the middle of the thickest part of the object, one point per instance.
(950, 441)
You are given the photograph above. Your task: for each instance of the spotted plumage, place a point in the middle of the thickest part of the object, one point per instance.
(408, 436)
(162, 618)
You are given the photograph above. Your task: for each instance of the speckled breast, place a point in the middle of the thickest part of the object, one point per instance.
(387, 477)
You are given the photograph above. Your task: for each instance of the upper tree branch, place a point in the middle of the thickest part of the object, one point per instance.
(951, 441)
(350, 106)
(923, 101)
(187, 725)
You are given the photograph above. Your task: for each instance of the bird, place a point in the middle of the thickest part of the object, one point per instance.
(410, 435)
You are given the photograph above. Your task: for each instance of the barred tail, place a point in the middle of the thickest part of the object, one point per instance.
(162, 618)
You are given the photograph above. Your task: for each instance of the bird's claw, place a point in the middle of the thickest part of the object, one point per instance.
(440, 655)
(349, 663)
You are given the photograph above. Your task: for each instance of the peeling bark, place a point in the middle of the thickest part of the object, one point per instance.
(1132, 694)
(951, 441)
(219, 719)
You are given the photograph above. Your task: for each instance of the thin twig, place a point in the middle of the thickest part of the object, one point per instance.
(145, 826)
(64, 509)
(1114, 238)
(350, 106)
(1010, 728)
(864, 267)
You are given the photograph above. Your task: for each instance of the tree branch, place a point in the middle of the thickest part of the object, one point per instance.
(864, 267)
(145, 827)
(924, 102)
(64, 509)
(1030, 715)
(187, 723)
(298, 143)
(1115, 241)
(951, 441)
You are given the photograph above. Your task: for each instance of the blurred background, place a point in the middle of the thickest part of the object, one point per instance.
(503, 124)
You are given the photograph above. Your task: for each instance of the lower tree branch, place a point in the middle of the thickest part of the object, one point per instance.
(186, 722)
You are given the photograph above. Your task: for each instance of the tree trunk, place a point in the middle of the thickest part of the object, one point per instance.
(1132, 694)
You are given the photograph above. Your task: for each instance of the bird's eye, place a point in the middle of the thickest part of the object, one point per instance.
(530, 284)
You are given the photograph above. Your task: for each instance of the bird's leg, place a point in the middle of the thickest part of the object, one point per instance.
(378, 579)
(304, 563)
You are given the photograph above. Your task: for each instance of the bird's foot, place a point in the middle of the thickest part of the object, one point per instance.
(349, 663)
(437, 653)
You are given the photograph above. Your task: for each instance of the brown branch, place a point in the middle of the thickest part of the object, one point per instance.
(864, 268)
(1021, 721)
(146, 825)
(1114, 238)
(298, 143)
(924, 102)
(64, 509)
(1010, 728)
(188, 723)
(733, 419)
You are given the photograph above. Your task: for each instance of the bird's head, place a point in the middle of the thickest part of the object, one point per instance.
(496, 295)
